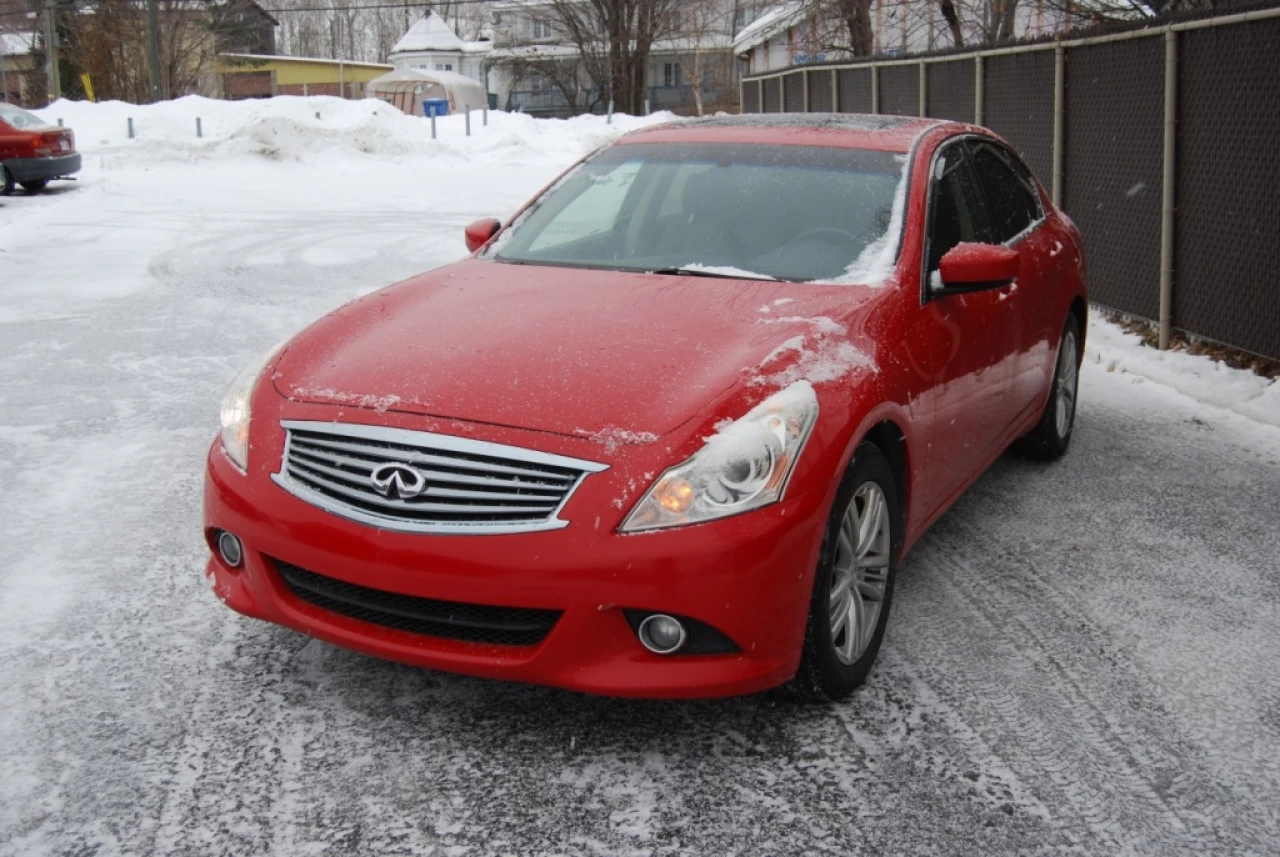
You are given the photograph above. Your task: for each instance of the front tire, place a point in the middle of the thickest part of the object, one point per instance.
(1052, 435)
(853, 584)
(6, 181)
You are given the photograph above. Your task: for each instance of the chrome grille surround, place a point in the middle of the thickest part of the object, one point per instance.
(472, 487)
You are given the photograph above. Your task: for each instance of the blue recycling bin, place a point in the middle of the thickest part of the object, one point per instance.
(435, 107)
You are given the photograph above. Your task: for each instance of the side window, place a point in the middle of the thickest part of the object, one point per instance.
(1011, 204)
(956, 213)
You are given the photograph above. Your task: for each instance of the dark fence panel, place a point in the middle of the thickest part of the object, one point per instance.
(820, 91)
(794, 83)
(854, 90)
(772, 95)
(949, 93)
(900, 90)
(1017, 104)
(751, 96)
(1227, 233)
(1112, 171)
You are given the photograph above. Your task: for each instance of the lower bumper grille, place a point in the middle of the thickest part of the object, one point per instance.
(452, 620)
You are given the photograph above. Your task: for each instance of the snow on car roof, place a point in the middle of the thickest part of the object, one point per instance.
(852, 130)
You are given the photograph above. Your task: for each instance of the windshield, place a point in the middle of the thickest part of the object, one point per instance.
(20, 118)
(786, 212)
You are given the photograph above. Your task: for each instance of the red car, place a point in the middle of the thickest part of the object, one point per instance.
(33, 152)
(670, 432)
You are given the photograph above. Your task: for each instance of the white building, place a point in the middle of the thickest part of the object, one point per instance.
(792, 33)
(531, 64)
(432, 45)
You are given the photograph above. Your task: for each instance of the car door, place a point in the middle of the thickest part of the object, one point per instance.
(1017, 218)
(971, 333)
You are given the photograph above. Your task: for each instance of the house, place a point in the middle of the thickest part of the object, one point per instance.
(259, 76)
(797, 33)
(20, 80)
(535, 68)
(432, 45)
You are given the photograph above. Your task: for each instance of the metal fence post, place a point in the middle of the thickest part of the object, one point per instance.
(742, 95)
(1167, 192)
(484, 116)
(1059, 106)
(924, 90)
(433, 122)
(199, 128)
(782, 93)
(608, 120)
(130, 127)
(59, 119)
(977, 89)
(875, 89)
(835, 91)
(804, 87)
(646, 107)
(466, 111)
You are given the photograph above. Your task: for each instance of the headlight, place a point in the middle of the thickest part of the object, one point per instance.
(744, 466)
(235, 410)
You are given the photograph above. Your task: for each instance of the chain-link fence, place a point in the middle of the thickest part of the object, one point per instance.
(1180, 227)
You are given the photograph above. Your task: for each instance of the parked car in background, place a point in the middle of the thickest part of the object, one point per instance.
(33, 152)
(670, 432)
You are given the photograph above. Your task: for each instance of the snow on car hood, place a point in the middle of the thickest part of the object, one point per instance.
(572, 351)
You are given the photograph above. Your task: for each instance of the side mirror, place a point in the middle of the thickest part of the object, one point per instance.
(479, 233)
(972, 267)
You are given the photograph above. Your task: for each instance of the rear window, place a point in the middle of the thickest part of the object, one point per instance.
(19, 118)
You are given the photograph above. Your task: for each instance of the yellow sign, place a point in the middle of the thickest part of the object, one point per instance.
(88, 87)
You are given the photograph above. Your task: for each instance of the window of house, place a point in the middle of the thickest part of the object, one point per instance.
(672, 74)
(541, 28)
(675, 21)
(444, 66)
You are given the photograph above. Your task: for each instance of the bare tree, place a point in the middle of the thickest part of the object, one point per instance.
(565, 73)
(615, 38)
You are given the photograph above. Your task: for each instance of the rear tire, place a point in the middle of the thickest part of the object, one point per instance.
(36, 186)
(6, 181)
(1052, 435)
(853, 584)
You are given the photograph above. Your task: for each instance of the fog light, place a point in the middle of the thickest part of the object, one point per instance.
(230, 548)
(662, 634)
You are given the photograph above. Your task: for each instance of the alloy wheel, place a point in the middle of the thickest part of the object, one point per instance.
(860, 573)
(1068, 380)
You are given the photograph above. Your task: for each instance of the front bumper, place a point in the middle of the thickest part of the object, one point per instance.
(43, 169)
(749, 577)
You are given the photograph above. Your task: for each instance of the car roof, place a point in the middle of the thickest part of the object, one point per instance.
(839, 130)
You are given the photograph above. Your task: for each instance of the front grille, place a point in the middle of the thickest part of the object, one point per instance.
(470, 486)
(452, 620)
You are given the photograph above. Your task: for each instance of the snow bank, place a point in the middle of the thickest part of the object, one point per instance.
(1202, 378)
(293, 127)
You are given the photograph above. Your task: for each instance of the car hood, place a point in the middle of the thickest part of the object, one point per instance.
(565, 350)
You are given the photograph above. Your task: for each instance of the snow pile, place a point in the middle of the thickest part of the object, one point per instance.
(824, 353)
(293, 127)
(1203, 379)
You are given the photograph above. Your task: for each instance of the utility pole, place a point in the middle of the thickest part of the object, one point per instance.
(4, 74)
(153, 49)
(51, 53)
(342, 80)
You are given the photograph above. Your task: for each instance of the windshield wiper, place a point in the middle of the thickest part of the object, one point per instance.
(721, 273)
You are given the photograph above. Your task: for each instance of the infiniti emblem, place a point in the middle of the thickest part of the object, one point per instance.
(397, 481)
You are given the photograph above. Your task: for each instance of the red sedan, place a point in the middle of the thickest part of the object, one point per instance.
(671, 431)
(33, 152)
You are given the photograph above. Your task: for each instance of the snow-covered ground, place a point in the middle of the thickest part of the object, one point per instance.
(1081, 658)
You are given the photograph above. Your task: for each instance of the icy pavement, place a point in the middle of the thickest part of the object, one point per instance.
(1082, 657)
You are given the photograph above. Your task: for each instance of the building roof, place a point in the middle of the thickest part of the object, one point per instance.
(266, 58)
(431, 33)
(768, 25)
(15, 44)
